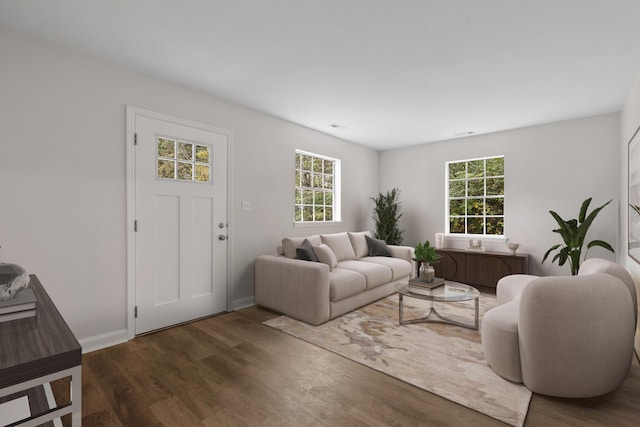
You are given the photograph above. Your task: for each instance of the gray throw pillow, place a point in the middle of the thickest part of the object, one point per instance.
(305, 252)
(377, 247)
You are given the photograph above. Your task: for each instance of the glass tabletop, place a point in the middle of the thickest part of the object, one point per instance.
(448, 292)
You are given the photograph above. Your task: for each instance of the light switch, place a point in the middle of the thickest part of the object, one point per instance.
(246, 205)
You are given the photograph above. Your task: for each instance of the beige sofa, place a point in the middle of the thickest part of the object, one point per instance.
(564, 336)
(344, 278)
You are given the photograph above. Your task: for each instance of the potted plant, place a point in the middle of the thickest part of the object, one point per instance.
(425, 255)
(573, 233)
(386, 214)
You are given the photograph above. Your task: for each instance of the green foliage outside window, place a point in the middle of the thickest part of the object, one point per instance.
(476, 196)
(314, 188)
(184, 161)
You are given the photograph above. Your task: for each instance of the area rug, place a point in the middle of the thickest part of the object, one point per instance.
(443, 359)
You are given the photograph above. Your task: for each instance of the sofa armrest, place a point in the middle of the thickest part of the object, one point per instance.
(406, 253)
(299, 289)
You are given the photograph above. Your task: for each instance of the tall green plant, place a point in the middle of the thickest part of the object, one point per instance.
(573, 233)
(386, 214)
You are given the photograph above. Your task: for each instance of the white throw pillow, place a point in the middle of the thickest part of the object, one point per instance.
(340, 245)
(359, 243)
(325, 255)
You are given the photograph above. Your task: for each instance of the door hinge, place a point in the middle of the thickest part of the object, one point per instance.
(135, 139)
(135, 312)
(135, 226)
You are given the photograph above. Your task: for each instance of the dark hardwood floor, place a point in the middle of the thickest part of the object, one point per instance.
(231, 370)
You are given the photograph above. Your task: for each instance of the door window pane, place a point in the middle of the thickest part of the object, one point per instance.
(183, 161)
(185, 171)
(185, 151)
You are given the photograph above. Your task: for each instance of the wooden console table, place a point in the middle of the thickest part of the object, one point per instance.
(479, 268)
(38, 350)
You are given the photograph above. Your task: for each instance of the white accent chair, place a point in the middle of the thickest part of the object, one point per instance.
(564, 336)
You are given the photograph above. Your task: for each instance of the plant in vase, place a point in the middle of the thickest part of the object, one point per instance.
(425, 255)
(573, 233)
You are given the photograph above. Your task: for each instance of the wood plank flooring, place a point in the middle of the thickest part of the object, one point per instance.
(231, 370)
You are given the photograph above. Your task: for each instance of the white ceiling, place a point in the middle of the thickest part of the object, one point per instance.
(393, 72)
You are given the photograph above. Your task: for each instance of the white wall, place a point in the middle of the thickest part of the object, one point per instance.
(62, 175)
(63, 195)
(549, 167)
(629, 123)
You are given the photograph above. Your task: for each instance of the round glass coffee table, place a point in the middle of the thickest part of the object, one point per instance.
(439, 291)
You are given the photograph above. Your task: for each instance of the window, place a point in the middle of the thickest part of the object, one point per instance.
(183, 161)
(475, 197)
(317, 188)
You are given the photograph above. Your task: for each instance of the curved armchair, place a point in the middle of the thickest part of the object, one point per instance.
(565, 336)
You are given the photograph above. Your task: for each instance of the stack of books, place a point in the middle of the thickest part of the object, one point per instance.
(19, 307)
(436, 283)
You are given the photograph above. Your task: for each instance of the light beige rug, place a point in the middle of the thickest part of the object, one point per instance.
(443, 359)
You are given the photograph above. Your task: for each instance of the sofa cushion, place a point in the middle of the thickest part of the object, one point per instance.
(376, 274)
(399, 267)
(340, 245)
(499, 335)
(377, 247)
(345, 283)
(359, 243)
(325, 255)
(290, 244)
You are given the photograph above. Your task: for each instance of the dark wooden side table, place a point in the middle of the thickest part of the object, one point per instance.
(37, 350)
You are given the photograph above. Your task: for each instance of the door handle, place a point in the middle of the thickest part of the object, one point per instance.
(222, 237)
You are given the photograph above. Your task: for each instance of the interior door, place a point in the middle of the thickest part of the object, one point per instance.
(180, 223)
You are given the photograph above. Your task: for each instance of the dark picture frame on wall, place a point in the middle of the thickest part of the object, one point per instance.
(634, 196)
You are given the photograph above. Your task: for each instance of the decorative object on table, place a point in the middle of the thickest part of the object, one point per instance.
(426, 272)
(25, 300)
(475, 244)
(634, 196)
(386, 214)
(573, 234)
(439, 242)
(424, 255)
(435, 283)
(13, 279)
(513, 247)
(21, 305)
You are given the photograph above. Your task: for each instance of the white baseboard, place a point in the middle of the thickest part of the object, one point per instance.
(108, 339)
(239, 304)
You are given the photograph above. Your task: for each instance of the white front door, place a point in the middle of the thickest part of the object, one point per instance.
(180, 193)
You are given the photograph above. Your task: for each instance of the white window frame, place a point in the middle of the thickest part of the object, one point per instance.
(335, 191)
(466, 197)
